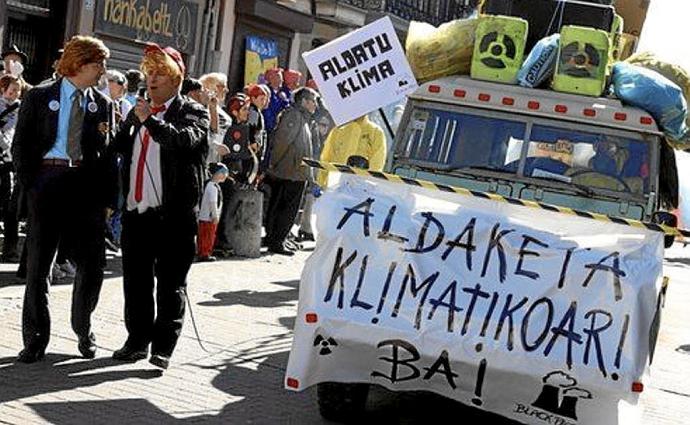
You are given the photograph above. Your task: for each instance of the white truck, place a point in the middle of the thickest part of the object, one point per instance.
(582, 172)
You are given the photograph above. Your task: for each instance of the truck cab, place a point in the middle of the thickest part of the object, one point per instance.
(585, 153)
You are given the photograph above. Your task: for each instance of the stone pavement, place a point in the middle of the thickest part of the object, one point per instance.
(245, 311)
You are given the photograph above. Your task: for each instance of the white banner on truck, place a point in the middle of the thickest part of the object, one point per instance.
(361, 71)
(535, 315)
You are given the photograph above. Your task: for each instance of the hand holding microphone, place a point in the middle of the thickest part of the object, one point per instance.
(142, 109)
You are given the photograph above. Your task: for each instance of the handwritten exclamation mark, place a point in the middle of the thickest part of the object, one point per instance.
(477, 401)
(621, 344)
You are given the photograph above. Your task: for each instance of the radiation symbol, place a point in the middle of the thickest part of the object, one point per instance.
(495, 53)
(580, 61)
(325, 344)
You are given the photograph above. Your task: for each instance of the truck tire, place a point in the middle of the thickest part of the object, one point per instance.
(341, 402)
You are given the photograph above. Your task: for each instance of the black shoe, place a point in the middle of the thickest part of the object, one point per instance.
(304, 236)
(292, 245)
(160, 361)
(130, 354)
(30, 355)
(87, 346)
(281, 250)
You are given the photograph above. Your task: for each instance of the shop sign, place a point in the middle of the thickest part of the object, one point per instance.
(166, 22)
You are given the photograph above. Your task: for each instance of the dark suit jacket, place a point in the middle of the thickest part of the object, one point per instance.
(183, 138)
(36, 133)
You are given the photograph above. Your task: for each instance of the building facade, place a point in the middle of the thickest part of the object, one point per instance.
(232, 36)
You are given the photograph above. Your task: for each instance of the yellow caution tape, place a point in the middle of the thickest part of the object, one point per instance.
(327, 166)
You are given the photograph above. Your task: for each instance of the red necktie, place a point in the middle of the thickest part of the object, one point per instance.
(139, 187)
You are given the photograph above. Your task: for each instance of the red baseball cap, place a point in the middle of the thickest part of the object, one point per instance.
(292, 77)
(255, 90)
(237, 101)
(171, 52)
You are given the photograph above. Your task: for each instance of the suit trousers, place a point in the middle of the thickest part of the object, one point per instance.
(156, 252)
(286, 196)
(61, 200)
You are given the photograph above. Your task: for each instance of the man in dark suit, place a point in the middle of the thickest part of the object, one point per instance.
(59, 152)
(164, 145)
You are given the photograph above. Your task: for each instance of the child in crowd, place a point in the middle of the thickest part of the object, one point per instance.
(242, 159)
(209, 214)
(10, 90)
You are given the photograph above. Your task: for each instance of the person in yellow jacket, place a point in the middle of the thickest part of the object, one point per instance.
(360, 137)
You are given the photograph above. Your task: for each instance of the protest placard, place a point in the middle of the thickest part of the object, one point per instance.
(535, 315)
(361, 71)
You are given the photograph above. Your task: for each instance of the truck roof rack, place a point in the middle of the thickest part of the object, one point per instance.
(462, 90)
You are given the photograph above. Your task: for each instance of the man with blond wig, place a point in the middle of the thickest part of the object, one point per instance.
(163, 143)
(59, 149)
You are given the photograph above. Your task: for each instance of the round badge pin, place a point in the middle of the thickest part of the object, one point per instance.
(92, 107)
(54, 105)
(236, 147)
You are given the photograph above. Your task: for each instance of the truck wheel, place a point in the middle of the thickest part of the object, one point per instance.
(341, 402)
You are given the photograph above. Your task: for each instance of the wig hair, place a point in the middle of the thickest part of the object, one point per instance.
(7, 80)
(157, 61)
(79, 51)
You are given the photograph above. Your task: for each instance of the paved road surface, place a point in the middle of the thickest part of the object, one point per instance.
(245, 312)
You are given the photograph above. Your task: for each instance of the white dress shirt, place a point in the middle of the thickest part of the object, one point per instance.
(152, 193)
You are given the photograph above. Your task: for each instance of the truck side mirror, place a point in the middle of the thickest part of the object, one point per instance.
(667, 219)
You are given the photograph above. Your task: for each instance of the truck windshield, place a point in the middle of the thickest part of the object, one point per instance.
(451, 140)
(462, 141)
(595, 160)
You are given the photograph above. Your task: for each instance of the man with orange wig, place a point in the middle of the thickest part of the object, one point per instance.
(59, 147)
(164, 145)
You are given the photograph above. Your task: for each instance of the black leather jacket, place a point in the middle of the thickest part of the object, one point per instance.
(182, 136)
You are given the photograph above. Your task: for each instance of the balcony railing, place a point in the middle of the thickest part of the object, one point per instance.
(39, 7)
(44, 4)
(432, 11)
